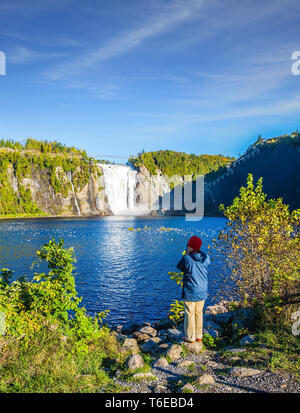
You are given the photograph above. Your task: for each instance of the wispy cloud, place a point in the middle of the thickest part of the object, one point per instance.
(166, 20)
(22, 54)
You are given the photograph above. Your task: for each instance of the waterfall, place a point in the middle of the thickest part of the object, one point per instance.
(120, 183)
(69, 176)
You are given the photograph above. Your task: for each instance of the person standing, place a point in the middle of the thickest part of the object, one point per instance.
(194, 265)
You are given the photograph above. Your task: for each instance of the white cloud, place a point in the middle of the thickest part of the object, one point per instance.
(165, 20)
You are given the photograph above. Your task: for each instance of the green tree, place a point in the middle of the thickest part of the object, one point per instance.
(260, 248)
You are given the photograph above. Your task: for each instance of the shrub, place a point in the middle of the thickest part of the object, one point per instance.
(49, 299)
(260, 248)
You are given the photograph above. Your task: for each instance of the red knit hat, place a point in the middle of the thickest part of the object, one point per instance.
(195, 243)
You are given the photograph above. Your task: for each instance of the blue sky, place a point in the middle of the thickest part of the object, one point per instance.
(117, 76)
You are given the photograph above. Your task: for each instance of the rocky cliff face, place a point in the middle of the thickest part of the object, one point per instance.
(87, 201)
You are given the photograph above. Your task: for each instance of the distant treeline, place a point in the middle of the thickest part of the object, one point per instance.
(179, 163)
(42, 146)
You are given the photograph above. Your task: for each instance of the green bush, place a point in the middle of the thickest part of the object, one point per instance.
(260, 249)
(49, 299)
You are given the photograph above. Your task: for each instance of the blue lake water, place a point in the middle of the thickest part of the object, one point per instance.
(116, 269)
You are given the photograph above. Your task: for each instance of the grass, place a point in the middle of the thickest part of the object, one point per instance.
(37, 215)
(275, 350)
(48, 364)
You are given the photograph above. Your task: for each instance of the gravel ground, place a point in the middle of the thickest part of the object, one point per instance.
(170, 379)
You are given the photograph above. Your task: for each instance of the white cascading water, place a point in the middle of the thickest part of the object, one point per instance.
(69, 176)
(119, 183)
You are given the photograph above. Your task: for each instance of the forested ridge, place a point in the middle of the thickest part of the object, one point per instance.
(180, 163)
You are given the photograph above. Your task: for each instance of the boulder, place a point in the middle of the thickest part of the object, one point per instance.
(162, 324)
(194, 347)
(185, 363)
(187, 388)
(144, 376)
(174, 352)
(174, 334)
(150, 345)
(206, 379)
(131, 345)
(161, 362)
(211, 332)
(219, 308)
(162, 348)
(141, 337)
(224, 318)
(249, 339)
(243, 372)
(244, 318)
(148, 330)
(210, 325)
(135, 362)
(235, 350)
(129, 328)
(160, 389)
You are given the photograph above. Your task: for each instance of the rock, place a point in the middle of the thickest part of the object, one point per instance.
(144, 376)
(148, 330)
(194, 347)
(163, 324)
(221, 307)
(249, 339)
(161, 348)
(174, 334)
(129, 328)
(185, 363)
(234, 350)
(150, 345)
(212, 364)
(130, 344)
(135, 362)
(161, 362)
(120, 337)
(206, 379)
(235, 358)
(212, 333)
(212, 325)
(208, 317)
(160, 389)
(174, 352)
(243, 372)
(224, 318)
(141, 337)
(244, 318)
(118, 373)
(187, 388)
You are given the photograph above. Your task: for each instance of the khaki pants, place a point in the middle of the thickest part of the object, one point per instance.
(193, 319)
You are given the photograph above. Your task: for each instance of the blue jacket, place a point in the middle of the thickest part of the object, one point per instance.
(195, 269)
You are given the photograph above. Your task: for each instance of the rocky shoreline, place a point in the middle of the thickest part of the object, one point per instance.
(159, 361)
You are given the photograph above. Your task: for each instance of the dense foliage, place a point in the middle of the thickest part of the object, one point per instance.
(49, 299)
(260, 246)
(179, 163)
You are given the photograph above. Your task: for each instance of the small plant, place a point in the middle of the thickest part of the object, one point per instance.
(209, 342)
(176, 312)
